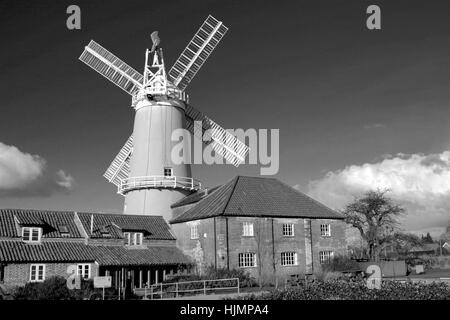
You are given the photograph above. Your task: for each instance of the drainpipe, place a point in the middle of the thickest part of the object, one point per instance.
(215, 245)
(312, 246)
(273, 255)
(228, 250)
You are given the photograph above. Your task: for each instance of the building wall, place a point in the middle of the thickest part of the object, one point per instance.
(18, 274)
(268, 242)
(201, 250)
(336, 243)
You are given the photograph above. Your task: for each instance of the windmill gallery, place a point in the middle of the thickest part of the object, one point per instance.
(170, 221)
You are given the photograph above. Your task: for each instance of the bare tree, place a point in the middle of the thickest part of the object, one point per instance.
(375, 216)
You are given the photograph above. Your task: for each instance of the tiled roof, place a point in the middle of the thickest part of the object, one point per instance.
(152, 256)
(58, 251)
(154, 227)
(194, 197)
(257, 197)
(48, 220)
(51, 251)
(7, 224)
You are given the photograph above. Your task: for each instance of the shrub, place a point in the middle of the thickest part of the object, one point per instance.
(340, 290)
(87, 292)
(333, 276)
(53, 288)
(341, 263)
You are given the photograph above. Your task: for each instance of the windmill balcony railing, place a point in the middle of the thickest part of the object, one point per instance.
(145, 182)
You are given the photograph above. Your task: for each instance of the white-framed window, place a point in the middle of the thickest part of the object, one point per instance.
(194, 231)
(247, 260)
(247, 229)
(325, 257)
(133, 238)
(30, 234)
(289, 259)
(127, 237)
(37, 272)
(168, 172)
(84, 270)
(137, 239)
(325, 230)
(288, 229)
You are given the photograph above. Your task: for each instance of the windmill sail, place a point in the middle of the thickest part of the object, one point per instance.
(112, 68)
(223, 142)
(120, 167)
(196, 52)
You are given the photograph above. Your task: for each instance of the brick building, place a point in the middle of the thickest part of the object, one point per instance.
(133, 250)
(259, 224)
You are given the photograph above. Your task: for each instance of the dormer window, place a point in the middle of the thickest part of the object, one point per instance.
(133, 238)
(137, 239)
(63, 230)
(168, 172)
(127, 237)
(31, 234)
(104, 231)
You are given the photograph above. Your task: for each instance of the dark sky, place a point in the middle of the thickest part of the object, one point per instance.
(339, 93)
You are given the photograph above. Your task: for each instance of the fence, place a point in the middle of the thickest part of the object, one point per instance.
(179, 289)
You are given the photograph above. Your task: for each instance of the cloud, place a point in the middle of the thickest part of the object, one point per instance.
(421, 183)
(64, 180)
(24, 174)
(374, 126)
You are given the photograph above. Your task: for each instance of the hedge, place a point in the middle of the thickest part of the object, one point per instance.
(343, 290)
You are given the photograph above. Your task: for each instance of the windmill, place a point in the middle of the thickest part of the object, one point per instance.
(143, 170)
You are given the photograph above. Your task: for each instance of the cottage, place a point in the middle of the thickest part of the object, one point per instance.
(134, 250)
(258, 224)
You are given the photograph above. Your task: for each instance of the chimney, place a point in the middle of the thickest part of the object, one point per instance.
(92, 223)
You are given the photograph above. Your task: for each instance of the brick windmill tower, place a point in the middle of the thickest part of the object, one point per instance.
(143, 170)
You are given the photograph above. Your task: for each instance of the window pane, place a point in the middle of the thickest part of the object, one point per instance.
(247, 259)
(26, 234)
(138, 239)
(247, 229)
(168, 172)
(33, 273)
(34, 234)
(194, 232)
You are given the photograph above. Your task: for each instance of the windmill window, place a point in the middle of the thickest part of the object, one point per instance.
(168, 172)
(31, 234)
